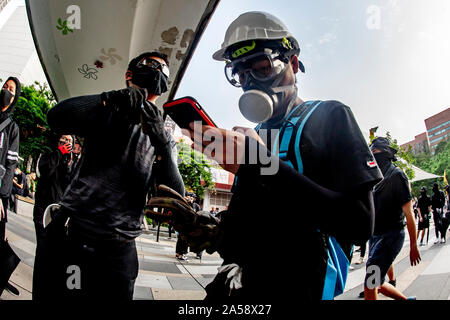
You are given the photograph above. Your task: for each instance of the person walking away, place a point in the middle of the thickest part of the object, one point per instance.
(9, 156)
(19, 188)
(437, 206)
(423, 207)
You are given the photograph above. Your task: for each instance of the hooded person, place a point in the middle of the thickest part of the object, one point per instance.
(54, 176)
(393, 205)
(437, 206)
(9, 155)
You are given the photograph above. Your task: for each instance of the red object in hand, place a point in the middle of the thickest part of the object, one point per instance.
(65, 148)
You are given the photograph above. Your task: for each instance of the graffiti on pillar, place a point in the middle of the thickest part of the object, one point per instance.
(110, 56)
(170, 38)
(87, 72)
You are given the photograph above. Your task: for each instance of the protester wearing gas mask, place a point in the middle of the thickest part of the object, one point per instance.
(322, 186)
(393, 203)
(9, 155)
(54, 176)
(126, 151)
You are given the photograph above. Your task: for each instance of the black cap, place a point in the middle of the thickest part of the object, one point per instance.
(382, 144)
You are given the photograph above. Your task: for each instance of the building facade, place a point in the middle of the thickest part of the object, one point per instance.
(438, 130)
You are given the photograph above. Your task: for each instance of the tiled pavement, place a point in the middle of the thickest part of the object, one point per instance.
(430, 280)
(161, 275)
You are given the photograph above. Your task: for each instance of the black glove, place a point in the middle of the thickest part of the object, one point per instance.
(126, 102)
(153, 125)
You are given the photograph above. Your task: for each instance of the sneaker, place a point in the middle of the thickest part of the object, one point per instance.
(436, 241)
(351, 268)
(11, 289)
(443, 240)
(182, 257)
(361, 294)
(360, 261)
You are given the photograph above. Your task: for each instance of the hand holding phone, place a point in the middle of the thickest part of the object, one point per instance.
(186, 110)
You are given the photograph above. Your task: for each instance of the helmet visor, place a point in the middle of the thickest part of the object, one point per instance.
(260, 66)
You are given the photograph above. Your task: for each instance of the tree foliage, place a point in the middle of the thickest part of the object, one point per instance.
(30, 115)
(436, 164)
(405, 155)
(194, 169)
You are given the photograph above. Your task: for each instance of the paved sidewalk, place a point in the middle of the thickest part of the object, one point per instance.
(430, 280)
(161, 275)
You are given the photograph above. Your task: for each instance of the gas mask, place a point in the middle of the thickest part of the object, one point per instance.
(260, 75)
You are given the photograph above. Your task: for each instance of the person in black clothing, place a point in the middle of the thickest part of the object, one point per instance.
(423, 207)
(392, 198)
(9, 156)
(19, 188)
(54, 177)
(126, 152)
(334, 189)
(437, 206)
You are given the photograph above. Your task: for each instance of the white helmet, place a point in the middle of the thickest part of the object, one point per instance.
(255, 25)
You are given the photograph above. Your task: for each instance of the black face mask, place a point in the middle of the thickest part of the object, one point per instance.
(384, 160)
(151, 79)
(5, 98)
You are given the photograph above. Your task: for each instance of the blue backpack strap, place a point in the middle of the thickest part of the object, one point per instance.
(281, 148)
(337, 263)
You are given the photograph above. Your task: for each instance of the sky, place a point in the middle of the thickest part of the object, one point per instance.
(388, 60)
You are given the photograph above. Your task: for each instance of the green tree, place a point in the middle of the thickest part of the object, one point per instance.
(30, 115)
(194, 169)
(436, 164)
(405, 165)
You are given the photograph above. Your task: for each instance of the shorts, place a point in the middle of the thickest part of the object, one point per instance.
(383, 249)
(424, 224)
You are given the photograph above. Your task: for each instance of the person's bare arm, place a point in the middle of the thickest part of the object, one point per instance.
(414, 254)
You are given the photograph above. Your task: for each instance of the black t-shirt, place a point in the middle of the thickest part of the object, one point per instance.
(389, 196)
(437, 199)
(423, 204)
(335, 156)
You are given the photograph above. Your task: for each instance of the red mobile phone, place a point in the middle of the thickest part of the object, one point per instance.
(186, 110)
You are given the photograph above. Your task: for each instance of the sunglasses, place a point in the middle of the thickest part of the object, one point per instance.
(152, 63)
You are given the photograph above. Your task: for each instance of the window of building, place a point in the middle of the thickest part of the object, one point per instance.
(220, 199)
(439, 126)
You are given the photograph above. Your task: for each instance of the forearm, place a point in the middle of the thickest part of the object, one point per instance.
(410, 222)
(336, 208)
(79, 115)
(167, 169)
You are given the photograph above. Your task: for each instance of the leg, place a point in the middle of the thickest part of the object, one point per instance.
(392, 292)
(390, 273)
